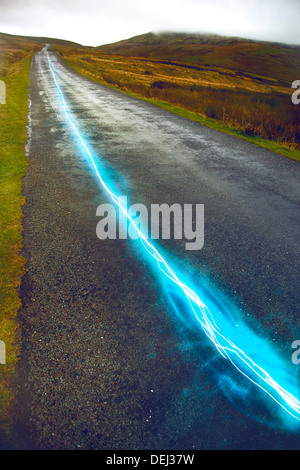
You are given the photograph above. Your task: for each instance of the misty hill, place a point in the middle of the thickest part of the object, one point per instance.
(262, 58)
(151, 41)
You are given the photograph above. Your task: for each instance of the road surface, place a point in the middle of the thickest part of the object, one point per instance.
(105, 362)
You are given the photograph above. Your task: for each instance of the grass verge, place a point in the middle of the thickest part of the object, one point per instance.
(13, 164)
(229, 129)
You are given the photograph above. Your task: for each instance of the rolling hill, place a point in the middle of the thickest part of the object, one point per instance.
(14, 41)
(263, 58)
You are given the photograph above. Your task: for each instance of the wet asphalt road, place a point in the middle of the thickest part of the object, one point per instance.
(103, 363)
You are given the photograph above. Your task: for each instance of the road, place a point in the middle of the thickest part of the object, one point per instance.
(106, 363)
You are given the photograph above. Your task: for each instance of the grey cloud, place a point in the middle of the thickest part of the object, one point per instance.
(97, 22)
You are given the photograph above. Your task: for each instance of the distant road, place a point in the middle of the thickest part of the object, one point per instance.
(103, 365)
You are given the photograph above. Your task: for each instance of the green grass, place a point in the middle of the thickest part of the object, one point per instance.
(13, 164)
(272, 145)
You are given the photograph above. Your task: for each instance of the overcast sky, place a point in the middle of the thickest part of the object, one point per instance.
(97, 22)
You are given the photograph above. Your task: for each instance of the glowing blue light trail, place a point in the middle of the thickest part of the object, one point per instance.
(226, 347)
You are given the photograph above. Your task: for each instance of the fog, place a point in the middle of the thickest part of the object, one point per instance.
(97, 22)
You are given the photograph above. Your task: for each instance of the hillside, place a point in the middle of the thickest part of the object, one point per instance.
(11, 40)
(267, 59)
(14, 49)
